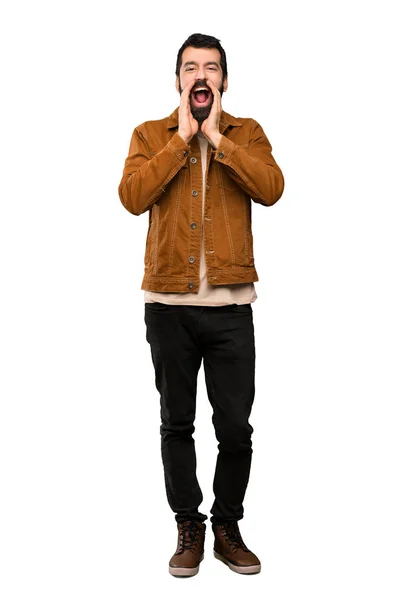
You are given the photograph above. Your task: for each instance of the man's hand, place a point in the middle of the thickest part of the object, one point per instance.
(210, 127)
(188, 126)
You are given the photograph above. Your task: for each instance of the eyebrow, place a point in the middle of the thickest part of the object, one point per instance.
(193, 62)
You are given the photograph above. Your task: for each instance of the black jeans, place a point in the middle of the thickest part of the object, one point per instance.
(223, 336)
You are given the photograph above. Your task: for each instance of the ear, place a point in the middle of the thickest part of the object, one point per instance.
(177, 84)
(225, 84)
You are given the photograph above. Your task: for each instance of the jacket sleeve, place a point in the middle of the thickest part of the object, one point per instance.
(253, 167)
(146, 176)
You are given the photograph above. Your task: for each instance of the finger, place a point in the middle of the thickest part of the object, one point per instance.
(185, 98)
(187, 89)
(210, 84)
(214, 89)
(217, 96)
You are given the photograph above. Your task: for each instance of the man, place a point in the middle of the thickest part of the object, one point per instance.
(196, 172)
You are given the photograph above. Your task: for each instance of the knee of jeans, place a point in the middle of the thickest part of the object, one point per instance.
(235, 440)
(179, 430)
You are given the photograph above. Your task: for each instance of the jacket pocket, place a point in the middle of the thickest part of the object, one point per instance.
(247, 229)
(224, 180)
(150, 258)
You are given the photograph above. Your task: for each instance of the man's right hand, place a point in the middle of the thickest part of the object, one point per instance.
(188, 126)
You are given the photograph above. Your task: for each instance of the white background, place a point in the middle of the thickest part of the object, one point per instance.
(83, 506)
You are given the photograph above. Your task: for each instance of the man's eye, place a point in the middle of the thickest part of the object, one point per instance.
(190, 69)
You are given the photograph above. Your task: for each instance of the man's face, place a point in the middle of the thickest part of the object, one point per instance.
(200, 64)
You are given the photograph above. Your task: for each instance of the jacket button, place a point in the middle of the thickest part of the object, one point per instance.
(193, 225)
(193, 159)
(221, 155)
(195, 193)
(185, 153)
(190, 285)
(191, 259)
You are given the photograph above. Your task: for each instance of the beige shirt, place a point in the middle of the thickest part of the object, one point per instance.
(208, 295)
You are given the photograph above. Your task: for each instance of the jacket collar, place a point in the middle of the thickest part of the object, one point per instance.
(225, 121)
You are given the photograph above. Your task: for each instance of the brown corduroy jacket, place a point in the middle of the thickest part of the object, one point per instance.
(163, 175)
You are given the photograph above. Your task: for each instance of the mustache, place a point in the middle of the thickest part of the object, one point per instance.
(201, 83)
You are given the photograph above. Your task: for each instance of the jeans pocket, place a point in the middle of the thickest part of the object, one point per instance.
(156, 306)
(242, 307)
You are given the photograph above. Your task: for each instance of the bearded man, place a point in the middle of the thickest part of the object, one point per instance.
(197, 173)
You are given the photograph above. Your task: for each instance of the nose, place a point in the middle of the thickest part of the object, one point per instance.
(201, 73)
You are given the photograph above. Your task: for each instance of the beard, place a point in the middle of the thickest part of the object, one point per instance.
(200, 113)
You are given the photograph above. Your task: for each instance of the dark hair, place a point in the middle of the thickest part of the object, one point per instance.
(198, 40)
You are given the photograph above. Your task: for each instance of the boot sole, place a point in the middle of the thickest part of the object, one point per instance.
(249, 570)
(185, 571)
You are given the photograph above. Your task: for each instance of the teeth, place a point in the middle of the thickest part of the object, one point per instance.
(201, 90)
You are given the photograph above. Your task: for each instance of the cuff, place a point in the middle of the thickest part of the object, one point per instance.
(225, 150)
(179, 147)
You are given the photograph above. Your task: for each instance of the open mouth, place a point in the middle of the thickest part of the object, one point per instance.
(201, 96)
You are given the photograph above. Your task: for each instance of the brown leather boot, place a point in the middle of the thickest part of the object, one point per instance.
(231, 550)
(190, 550)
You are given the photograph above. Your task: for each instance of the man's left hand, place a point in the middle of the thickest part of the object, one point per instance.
(210, 126)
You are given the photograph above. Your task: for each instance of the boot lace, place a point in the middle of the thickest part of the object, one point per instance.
(188, 534)
(233, 537)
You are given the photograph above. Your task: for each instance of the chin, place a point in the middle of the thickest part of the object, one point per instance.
(200, 113)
